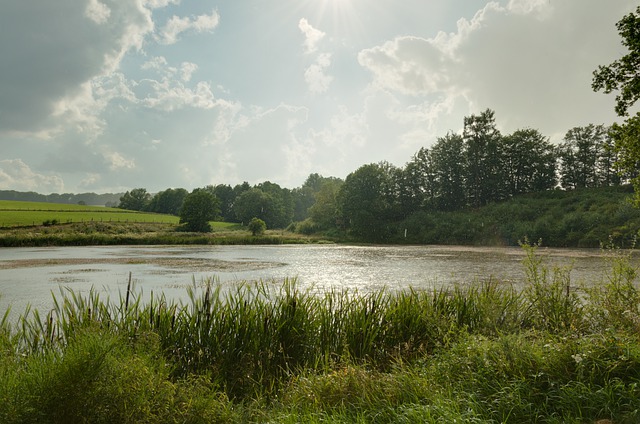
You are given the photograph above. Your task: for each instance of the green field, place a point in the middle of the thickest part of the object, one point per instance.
(17, 214)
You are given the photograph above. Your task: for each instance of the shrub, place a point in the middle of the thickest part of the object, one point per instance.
(257, 226)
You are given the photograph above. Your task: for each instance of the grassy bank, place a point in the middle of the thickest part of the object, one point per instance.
(128, 233)
(270, 352)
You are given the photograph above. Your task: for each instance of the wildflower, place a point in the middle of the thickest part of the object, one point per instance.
(577, 357)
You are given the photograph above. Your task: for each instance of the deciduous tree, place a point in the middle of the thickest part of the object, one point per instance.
(199, 207)
(135, 200)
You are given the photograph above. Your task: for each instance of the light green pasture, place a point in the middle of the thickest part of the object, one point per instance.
(36, 213)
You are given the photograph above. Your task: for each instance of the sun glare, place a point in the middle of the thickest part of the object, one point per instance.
(343, 15)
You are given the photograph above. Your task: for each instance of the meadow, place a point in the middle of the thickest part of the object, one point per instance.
(553, 352)
(19, 214)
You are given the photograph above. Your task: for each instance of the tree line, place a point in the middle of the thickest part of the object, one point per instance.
(466, 170)
(106, 199)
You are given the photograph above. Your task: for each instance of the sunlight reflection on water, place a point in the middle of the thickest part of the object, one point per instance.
(30, 275)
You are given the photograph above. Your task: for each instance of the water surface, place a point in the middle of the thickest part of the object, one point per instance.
(30, 275)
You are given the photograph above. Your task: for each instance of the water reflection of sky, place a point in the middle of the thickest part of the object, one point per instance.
(170, 269)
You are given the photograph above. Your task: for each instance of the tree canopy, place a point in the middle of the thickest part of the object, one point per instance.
(199, 207)
(623, 75)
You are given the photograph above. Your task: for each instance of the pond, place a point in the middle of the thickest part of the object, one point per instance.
(31, 275)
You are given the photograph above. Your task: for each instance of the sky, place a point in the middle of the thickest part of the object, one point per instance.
(109, 95)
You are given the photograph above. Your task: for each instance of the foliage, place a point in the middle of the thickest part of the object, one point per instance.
(587, 158)
(484, 173)
(266, 201)
(578, 218)
(135, 200)
(168, 201)
(199, 207)
(627, 145)
(257, 226)
(324, 211)
(624, 73)
(365, 202)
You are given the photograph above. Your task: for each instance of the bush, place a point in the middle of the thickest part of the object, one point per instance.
(307, 227)
(257, 226)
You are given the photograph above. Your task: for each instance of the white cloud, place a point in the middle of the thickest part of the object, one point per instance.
(315, 76)
(531, 61)
(117, 161)
(156, 4)
(177, 25)
(186, 70)
(16, 175)
(169, 95)
(311, 34)
(97, 12)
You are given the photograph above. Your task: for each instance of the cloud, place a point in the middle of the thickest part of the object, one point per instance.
(531, 61)
(16, 175)
(117, 161)
(311, 34)
(97, 12)
(52, 51)
(177, 25)
(317, 80)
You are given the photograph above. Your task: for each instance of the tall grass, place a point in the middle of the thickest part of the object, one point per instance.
(271, 351)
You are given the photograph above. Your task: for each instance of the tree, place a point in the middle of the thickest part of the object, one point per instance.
(417, 182)
(364, 204)
(272, 206)
(485, 181)
(581, 155)
(227, 196)
(199, 207)
(324, 211)
(624, 73)
(257, 226)
(135, 200)
(168, 201)
(304, 197)
(529, 161)
(280, 212)
(448, 157)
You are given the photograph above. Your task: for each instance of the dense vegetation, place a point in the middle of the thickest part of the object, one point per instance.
(449, 185)
(545, 351)
(575, 218)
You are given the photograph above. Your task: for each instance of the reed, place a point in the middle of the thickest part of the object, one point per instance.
(270, 350)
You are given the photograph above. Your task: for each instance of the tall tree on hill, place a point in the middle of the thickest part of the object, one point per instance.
(581, 155)
(529, 162)
(449, 169)
(623, 75)
(417, 182)
(363, 202)
(485, 181)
